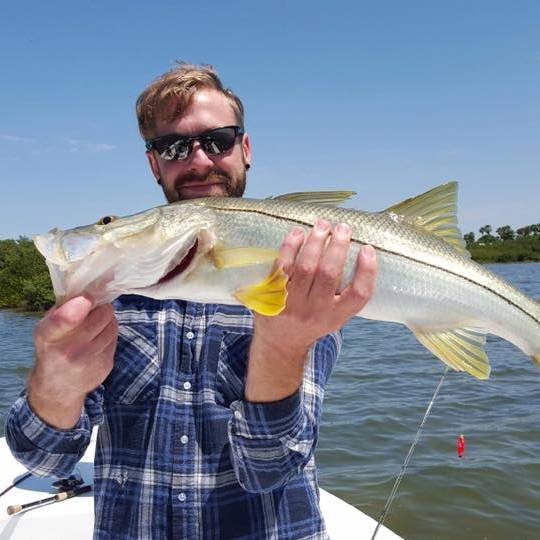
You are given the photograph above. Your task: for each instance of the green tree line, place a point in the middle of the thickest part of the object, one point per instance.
(506, 245)
(24, 277)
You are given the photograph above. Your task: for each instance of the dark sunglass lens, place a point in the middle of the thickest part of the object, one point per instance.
(214, 142)
(219, 140)
(173, 149)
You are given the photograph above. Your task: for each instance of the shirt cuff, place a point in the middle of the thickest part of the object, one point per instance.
(48, 438)
(269, 420)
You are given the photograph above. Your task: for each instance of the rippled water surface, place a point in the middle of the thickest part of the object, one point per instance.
(16, 356)
(374, 404)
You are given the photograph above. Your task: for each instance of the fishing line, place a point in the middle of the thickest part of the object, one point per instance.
(408, 458)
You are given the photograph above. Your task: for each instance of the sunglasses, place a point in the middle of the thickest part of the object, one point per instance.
(178, 147)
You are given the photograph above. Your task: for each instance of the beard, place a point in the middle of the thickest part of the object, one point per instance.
(229, 185)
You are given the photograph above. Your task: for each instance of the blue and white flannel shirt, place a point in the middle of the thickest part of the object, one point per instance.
(180, 453)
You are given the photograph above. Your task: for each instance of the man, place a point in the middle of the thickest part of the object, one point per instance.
(208, 416)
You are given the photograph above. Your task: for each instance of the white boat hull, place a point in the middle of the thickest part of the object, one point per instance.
(74, 518)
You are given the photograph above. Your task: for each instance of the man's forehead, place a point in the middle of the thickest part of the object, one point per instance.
(207, 109)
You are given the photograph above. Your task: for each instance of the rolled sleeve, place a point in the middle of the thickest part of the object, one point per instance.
(272, 442)
(267, 420)
(43, 449)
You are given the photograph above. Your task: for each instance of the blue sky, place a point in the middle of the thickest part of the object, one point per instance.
(387, 98)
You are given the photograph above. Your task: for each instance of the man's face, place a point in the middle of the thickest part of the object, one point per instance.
(202, 175)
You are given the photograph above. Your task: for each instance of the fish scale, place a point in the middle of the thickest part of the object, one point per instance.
(380, 230)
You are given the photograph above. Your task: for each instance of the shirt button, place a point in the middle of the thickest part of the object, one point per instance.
(190, 335)
(182, 497)
(187, 385)
(184, 439)
(238, 415)
(77, 436)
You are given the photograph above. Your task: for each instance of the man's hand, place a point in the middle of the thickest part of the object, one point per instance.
(75, 347)
(315, 268)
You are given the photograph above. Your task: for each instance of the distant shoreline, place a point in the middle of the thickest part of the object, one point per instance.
(519, 250)
(22, 310)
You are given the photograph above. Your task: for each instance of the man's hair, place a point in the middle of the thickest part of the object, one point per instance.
(170, 95)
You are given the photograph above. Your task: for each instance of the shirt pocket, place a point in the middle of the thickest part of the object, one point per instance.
(136, 375)
(232, 367)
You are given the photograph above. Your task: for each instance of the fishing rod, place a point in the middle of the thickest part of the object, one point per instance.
(16, 508)
(68, 488)
(16, 483)
(65, 484)
(408, 458)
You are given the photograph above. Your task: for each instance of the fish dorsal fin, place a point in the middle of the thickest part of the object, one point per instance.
(460, 348)
(434, 211)
(328, 198)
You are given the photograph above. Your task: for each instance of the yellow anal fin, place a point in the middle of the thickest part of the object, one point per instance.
(462, 349)
(267, 297)
(244, 256)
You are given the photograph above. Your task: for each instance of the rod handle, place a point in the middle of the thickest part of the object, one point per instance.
(13, 509)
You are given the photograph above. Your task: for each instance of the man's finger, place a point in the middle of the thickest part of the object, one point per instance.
(104, 339)
(307, 262)
(289, 249)
(96, 321)
(331, 265)
(106, 355)
(362, 287)
(66, 318)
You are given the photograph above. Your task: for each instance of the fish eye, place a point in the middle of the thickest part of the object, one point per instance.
(106, 220)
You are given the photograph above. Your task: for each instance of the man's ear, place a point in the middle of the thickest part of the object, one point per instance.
(246, 149)
(152, 161)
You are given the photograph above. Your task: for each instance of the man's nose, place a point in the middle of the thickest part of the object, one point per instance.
(199, 159)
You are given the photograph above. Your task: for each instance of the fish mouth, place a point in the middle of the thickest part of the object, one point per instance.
(181, 266)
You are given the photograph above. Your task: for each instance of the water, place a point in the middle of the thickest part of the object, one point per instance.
(374, 403)
(16, 357)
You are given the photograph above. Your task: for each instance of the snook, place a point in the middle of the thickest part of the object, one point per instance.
(222, 250)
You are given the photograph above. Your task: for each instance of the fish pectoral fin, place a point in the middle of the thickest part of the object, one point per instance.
(223, 257)
(267, 297)
(436, 212)
(460, 348)
(328, 198)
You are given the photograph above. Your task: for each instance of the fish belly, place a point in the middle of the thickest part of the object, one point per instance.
(433, 299)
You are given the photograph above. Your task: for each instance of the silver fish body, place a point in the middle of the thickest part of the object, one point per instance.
(426, 279)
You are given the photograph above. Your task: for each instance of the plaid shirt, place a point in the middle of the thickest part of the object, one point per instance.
(179, 453)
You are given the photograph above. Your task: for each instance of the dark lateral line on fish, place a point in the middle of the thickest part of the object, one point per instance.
(300, 222)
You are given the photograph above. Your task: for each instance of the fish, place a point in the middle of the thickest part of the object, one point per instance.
(224, 250)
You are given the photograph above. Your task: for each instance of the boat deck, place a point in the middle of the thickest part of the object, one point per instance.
(74, 518)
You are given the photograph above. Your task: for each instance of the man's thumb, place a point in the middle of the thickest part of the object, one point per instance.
(68, 316)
